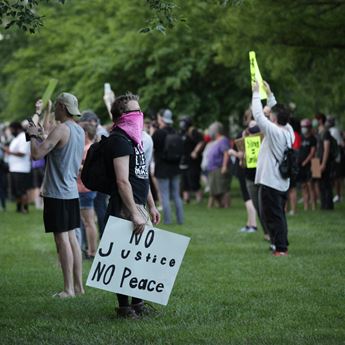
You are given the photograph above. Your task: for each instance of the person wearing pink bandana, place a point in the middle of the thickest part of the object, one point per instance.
(131, 197)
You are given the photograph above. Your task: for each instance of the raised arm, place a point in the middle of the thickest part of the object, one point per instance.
(39, 148)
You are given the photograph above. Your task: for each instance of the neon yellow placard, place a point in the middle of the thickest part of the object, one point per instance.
(252, 148)
(256, 75)
(49, 91)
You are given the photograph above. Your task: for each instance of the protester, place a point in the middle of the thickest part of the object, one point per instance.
(306, 154)
(323, 152)
(338, 171)
(296, 145)
(126, 163)
(204, 163)
(101, 200)
(218, 166)
(250, 226)
(3, 170)
(63, 149)
(19, 166)
(167, 171)
(273, 187)
(37, 167)
(87, 198)
(190, 165)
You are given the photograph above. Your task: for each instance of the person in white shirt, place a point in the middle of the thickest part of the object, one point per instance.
(272, 186)
(19, 163)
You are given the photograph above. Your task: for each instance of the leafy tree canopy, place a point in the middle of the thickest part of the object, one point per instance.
(199, 67)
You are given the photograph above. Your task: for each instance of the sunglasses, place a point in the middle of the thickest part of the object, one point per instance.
(132, 111)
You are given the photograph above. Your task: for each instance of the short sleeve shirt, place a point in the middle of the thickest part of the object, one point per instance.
(306, 145)
(119, 145)
(323, 136)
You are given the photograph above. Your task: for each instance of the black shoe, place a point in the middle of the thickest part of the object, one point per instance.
(127, 313)
(142, 308)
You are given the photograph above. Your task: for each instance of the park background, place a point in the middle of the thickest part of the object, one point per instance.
(190, 56)
(193, 58)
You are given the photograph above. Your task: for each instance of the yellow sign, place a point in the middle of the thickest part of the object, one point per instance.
(252, 148)
(49, 91)
(255, 74)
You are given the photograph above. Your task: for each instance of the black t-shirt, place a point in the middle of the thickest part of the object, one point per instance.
(120, 145)
(323, 136)
(163, 168)
(306, 145)
(191, 140)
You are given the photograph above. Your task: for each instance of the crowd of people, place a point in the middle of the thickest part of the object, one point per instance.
(157, 160)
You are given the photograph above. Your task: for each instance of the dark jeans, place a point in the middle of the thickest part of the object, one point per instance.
(3, 189)
(326, 194)
(272, 203)
(253, 190)
(100, 205)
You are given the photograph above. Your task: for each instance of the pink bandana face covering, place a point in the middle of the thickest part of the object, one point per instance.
(132, 123)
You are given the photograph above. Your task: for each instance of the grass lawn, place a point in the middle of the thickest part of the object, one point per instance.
(229, 290)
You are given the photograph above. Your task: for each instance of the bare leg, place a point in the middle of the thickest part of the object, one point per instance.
(312, 197)
(66, 259)
(305, 194)
(185, 196)
(88, 218)
(77, 263)
(225, 200)
(251, 213)
(292, 200)
(198, 196)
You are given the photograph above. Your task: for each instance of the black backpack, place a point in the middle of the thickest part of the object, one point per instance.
(288, 166)
(94, 174)
(173, 148)
(334, 150)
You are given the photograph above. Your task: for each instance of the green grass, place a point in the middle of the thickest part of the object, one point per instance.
(229, 290)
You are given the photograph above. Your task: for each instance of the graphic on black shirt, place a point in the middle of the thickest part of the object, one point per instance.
(140, 164)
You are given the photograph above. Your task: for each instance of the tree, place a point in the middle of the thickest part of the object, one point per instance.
(199, 67)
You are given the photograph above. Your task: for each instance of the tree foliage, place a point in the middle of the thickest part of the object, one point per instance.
(199, 67)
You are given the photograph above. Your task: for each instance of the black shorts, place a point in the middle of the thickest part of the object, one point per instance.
(37, 177)
(304, 174)
(20, 183)
(191, 180)
(61, 215)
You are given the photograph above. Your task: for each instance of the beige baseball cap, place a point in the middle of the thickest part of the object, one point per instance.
(70, 101)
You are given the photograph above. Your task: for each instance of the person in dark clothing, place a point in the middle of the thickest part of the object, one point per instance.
(306, 153)
(167, 172)
(323, 153)
(193, 144)
(126, 163)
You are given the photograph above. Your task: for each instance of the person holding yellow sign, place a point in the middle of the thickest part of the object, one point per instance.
(272, 186)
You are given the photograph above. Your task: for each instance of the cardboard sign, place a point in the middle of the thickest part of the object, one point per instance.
(255, 74)
(143, 266)
(49, 91)
(252, 147)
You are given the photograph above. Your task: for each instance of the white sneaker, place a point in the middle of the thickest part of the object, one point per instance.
(248, 229)
(244, 229)
(336, 198)
(272, 248)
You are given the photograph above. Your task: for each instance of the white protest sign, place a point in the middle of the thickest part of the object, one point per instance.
(143, 266)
